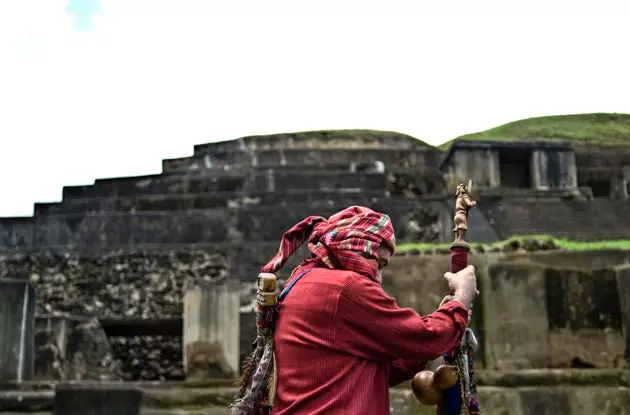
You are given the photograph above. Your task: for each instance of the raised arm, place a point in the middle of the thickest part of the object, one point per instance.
(369, 323)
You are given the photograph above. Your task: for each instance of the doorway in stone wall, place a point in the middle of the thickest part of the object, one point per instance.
(599, 188)
(515, 168)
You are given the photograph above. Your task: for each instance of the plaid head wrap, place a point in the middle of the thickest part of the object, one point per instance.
(348, 240)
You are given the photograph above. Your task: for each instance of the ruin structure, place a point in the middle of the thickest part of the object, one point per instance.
(115, 264)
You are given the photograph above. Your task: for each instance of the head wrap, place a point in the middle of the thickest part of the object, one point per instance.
(348, 240)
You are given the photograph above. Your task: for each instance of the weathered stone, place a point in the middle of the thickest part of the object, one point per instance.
(414, 219)
(17, 321)
(584, 318)
(97, 400)
(598, 219)
(73, 349)
(212, 330)
(116, 284)
(515, 335)
(623, 288)
(214, 200)
(17, 232)
(153, 358)
(514, 164)
(269, 180)
(307, 158)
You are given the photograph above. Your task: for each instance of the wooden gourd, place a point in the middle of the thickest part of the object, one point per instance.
(428, 386)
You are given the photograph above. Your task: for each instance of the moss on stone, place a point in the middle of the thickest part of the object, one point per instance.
(524, 242)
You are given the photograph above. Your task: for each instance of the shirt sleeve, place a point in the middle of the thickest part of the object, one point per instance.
(369, 323)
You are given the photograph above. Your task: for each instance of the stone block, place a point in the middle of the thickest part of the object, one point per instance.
(548, 401)
(553, 169)
(516, 332)
(179, 202)
(269, 180)
(97, 400)
(307, 158)
(584, 317)
(414, 220)
(17, 339)
(212, 330)
(598, 219)
(623, 290)
(136, 283)
(73, 349)
(16, 232)
(531, 400)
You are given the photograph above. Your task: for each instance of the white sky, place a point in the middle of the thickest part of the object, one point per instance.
(151, 78)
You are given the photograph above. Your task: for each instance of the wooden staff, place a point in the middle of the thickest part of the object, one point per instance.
(452, 387)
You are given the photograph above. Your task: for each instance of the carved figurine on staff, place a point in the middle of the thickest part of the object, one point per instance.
(463, 204)
(452, 386)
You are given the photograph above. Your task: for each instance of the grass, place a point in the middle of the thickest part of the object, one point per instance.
(346, 134)
(596, 128)
(560, 243)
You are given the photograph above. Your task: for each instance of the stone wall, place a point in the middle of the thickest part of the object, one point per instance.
(304, 158)
(118, 284)
(597, 219)
(553, 169)
(414, 220)
(536, 392)
(128, 292)
(73, 349)
(479, 165)
(536, 310)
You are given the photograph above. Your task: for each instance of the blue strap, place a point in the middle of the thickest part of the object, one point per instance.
(291, 284)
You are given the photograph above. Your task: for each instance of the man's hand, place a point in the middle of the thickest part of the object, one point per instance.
(463, 285)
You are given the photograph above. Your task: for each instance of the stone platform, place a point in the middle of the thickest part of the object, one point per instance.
(308, 158)
(533, 392)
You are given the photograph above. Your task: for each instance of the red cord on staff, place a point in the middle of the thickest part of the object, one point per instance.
(459, 258)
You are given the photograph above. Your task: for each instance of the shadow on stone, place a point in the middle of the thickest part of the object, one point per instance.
(96, 400)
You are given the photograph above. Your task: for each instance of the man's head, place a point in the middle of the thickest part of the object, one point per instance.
(355, 239)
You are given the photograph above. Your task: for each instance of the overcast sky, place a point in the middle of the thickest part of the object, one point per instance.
(104, 88)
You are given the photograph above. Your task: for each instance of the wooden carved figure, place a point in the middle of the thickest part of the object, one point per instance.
(462, 205)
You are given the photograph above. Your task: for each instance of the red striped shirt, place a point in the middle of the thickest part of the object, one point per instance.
(341, 342)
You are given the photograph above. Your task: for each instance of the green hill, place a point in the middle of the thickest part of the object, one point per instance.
(598, 128)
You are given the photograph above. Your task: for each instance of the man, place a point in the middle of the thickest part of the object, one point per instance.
(340, 340)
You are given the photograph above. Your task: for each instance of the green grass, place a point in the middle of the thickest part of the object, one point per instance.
(597, 128)
(560, 243)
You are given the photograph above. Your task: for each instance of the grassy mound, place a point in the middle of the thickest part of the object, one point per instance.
(524, 241)
(349, 135)
(598, 128)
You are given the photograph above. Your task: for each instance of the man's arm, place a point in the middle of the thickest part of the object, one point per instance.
(402, 370)
(369, 323)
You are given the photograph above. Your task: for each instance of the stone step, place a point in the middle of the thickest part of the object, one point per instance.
(16, 232)
(602, 156)
(402, 158)
(161, 184)
(260, 223)
(597, 219)
(541, 392)
(337, 139)
(208, 201)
